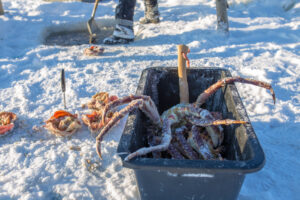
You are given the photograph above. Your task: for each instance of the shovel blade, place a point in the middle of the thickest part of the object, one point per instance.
(93, 36)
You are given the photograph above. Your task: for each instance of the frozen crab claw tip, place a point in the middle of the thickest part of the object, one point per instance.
(98, 148)
(62, 123)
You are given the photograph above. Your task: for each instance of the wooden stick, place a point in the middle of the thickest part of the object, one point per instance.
(183, 84)
(1, 9)
(222, 18)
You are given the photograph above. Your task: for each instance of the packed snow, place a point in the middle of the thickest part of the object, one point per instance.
(263, 43)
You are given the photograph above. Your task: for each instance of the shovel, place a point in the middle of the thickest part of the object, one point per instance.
(89, 24)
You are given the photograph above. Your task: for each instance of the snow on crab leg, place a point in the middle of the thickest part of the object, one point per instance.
(143, 102)
(213, 88)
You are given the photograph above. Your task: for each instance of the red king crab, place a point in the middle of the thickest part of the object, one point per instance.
(97, 104)
(63, 123)
(172, 123)
(93, 51)
(6, 122)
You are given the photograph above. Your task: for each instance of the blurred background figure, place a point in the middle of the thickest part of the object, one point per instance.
(123, 32)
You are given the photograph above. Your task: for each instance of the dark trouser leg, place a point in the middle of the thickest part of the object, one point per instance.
(151, 12)
(123, 32)
(151, 8)
(125, 12)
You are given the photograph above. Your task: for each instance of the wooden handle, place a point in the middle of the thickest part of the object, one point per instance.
(183, 84)
(95, 8)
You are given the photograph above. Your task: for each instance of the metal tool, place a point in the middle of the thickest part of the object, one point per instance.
(63, 86)
(90, 22)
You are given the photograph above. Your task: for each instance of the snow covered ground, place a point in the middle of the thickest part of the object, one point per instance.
(264, 43)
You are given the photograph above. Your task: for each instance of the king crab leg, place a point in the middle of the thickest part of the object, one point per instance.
(148, 107)
(186, 148)
(172, 150)
(165, 142)
(206, 122)
(144, 103)
(212, 89)
(153, 141)
(199, 143)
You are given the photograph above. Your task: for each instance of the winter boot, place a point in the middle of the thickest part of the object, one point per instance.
(121, 35)
(151, 12)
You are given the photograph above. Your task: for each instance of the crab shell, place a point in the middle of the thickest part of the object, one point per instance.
(6, 122)
(94, 120)
(93, 51)
(63, 123)
(100, 99)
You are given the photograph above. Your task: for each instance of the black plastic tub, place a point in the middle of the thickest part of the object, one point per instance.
(192, 179)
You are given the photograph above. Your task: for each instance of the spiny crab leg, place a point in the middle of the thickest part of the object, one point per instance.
(212, 89)
(148, 107)
(153, 141)
(186, 148)
(205, 122)
(199, 144)
(173, 151)
(165, 142)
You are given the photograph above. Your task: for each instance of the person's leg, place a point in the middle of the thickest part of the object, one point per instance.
(123, 32)
(151, 12)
